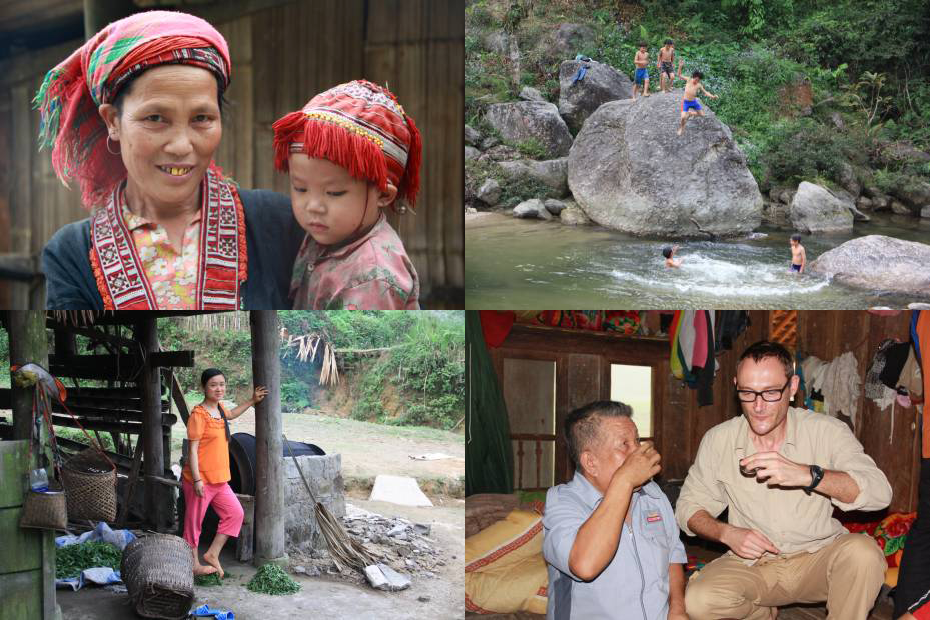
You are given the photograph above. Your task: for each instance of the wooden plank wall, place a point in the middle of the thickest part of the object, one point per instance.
(829, 334)
(281, 56)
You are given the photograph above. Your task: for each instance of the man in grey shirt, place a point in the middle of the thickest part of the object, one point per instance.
(610, 537)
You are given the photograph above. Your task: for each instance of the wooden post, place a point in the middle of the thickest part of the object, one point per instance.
(27, 344)
(269, 464)
(156, 500)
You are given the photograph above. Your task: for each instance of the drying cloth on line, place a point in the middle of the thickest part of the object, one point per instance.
(895, 357)
(838, 380)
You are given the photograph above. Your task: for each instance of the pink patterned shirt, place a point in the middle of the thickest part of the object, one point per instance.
(172, 276)
(371, 273)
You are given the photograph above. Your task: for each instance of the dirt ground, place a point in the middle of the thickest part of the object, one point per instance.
(367, 450)
(321, 597)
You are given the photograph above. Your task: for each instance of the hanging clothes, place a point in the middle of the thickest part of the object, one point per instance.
(895, 356)
(730, 324)
(838, 380)
(920, 323)
(691, 357)
(705, 363)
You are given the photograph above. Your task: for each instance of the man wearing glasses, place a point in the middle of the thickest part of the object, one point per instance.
(780, 470)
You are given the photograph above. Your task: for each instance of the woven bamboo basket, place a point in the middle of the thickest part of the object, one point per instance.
(90, 487)
(46, 511)
(158, 571)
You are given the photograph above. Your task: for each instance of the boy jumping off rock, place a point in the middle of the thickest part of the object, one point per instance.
(690, 106)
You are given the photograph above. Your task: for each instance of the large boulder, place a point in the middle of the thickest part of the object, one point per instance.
(552, 173)
(574, 216)
(815, 210)
(472, 136)
(629, 170)
(850, 203)
(847, 179)
(471, 153)
(878, 263)
(601, 83)
(531, 94)
(569, 40)
(538, 120)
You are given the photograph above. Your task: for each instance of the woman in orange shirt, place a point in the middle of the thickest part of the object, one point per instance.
(206, 476)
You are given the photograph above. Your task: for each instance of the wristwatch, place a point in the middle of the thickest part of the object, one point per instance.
(816, 477)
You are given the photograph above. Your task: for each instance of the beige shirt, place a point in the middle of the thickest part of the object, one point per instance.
(793, 520)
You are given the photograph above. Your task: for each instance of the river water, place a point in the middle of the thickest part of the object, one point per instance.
(513, 263)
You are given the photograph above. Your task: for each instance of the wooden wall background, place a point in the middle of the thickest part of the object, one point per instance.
(282, 54)
(583, 362)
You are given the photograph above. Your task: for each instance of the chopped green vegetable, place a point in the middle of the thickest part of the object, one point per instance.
(71, 560)
(271, 579)
(213, 579)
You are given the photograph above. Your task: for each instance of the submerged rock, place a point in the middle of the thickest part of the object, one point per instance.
(878, 263)
(629, 170)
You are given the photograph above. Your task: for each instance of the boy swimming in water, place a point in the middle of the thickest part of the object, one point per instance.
(669, 254)
(798, 255)
(641, 78)
(690, 106)
(666, 66)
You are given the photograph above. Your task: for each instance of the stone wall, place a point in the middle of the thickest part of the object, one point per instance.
(324, 475)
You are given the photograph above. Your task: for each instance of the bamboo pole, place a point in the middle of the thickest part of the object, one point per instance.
(156, 501)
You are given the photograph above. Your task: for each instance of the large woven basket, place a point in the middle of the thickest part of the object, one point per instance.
(45, 510)
(90, 487)
(158, 571)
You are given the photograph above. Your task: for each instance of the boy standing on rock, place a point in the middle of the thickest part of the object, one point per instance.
(666, 66)
(641, 78)
(690, 106)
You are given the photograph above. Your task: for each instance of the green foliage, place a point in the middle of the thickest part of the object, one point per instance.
(76, 434)
(428, 368)
(271, 579)
(71, 560)
(801, 149)
(533, 149)
(211, 580)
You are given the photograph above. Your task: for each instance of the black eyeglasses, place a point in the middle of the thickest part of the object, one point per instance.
(769, 396)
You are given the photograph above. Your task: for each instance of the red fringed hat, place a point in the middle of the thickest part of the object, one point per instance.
(361, 127)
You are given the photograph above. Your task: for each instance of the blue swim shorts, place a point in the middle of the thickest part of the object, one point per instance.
(795, 267)
(687, 105)
(641, 75)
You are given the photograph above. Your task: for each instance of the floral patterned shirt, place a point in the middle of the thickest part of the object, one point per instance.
(371, 273)
(172, 276)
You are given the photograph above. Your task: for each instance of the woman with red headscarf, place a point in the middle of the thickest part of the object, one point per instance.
(134, 115)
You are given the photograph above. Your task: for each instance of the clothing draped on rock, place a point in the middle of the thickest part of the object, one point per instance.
(838, 381)
(692, 351)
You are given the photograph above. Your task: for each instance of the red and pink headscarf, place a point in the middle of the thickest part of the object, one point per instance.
(361, 127)
(95, 73)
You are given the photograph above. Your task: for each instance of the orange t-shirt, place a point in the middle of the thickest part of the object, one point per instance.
(213, 450)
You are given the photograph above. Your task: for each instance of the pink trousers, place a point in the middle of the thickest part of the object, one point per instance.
(224, 502)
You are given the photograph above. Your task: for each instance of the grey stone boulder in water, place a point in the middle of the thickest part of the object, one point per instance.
(537, 120)
(815, 210)
(629, 170)
(574, 216)
(878, 263)
(532, 208)
(601, 83)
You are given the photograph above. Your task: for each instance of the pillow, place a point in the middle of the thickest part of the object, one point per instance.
(504, 567)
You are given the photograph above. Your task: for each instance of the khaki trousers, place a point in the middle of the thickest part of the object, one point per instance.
(847, 574)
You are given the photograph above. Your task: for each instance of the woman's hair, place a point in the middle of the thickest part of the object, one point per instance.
(208, 374)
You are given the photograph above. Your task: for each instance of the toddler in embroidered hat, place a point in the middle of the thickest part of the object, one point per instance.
(350, 152)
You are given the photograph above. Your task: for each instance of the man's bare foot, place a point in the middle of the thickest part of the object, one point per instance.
(212, 560)
(200, 569)
(680, 129)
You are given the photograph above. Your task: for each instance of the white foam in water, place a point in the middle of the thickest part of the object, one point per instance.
(704, 274)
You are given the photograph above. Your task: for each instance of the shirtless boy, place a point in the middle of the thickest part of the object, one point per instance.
(641, 78)
(666, 66)
(669, 254)
(798, 255)
(690, 106)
